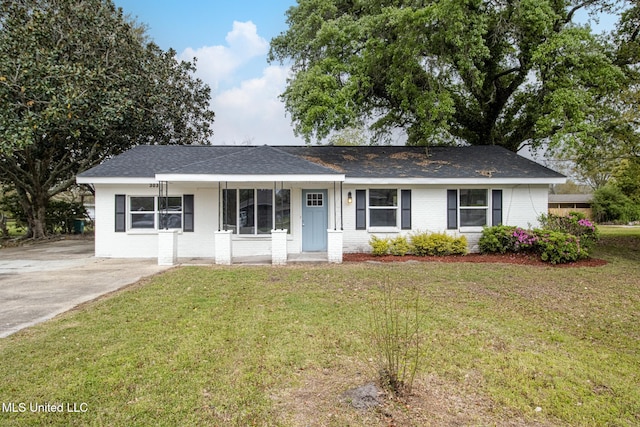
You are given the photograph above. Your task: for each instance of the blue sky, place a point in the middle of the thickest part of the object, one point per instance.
(191, 23)
(231, 41)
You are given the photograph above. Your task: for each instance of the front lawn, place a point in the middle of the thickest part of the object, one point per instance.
(502, 344)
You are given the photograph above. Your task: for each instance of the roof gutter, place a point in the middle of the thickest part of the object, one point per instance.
(457, 181)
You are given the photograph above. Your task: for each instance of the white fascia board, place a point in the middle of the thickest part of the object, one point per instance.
(247, 178)
(456, 181)
(114, 180)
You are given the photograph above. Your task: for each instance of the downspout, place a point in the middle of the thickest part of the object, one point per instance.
(220, 206)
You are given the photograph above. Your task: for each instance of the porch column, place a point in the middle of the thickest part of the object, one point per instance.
(222, 241)
(334, 246)
(167, 247)
(278, 247)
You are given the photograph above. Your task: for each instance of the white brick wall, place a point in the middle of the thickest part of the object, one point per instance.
(167, 247)
(521, 206)
(144, 243)
(223, 253)
(334, 246)
(278, 247)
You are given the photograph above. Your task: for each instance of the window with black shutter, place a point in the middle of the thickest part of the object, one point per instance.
(121, 213)
(405, 203)
(187, 201)
(496, 207)
(452, 209)
(361, 209)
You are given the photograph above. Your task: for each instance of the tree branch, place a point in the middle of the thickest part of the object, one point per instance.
(506, 72)
(579, 6)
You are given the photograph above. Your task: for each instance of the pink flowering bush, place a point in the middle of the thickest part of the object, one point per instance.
(561, 240)
(575, 224)
(524, 239)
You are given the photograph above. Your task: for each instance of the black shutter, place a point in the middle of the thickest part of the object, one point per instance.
(361, 209)
(121, 213)
(405, 208)
(496, 207)
(187, 207)
(452, 209)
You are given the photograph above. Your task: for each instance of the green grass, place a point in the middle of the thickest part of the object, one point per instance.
(276, 346)
(618, 230)
(15, 230)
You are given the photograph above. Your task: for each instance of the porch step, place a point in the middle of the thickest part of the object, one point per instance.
(320, 257)
(305, 257)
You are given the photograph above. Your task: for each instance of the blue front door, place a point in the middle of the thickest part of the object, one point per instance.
(314, 220)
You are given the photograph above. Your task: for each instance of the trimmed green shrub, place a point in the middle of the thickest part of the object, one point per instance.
(379, 247)
(399, 246)
(459, 246)
(557, 247)
(498, 239)
(438, 244)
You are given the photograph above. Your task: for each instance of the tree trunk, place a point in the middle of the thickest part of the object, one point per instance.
(38, 222)
(35, 209)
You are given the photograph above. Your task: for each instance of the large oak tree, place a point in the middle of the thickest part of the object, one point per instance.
(80, 83)
(513, 73)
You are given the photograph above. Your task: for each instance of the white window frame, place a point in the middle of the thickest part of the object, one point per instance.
(156, 214)
(486, 207)
(274, 223)
(396, 208)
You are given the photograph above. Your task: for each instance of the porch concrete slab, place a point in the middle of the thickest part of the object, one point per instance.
(320, 257)
(305, 257)
(252, 260)
(40, 281)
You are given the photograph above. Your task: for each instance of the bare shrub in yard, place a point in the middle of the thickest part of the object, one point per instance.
(395, 322)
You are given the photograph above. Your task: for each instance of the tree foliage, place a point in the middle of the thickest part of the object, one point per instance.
(509, 73)
(79, 83)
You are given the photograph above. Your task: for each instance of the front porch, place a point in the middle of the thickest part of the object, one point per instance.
(302, 258)
(279, 255)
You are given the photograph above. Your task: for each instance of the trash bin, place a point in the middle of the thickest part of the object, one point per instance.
(78, 226)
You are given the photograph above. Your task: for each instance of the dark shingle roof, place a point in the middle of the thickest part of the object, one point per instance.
(263, 160)
(371, 162)
(423, 162)
(145, 161)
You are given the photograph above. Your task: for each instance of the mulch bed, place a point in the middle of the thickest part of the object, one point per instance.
(519, 259)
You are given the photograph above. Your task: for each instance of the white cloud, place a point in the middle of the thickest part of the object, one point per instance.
(247, 111)
(252, 112)
(245, 41)
(219, 63)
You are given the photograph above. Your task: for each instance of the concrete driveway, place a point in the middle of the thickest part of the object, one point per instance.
(38, 282)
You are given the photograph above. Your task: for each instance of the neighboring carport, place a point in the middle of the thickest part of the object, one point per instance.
(40, 281)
